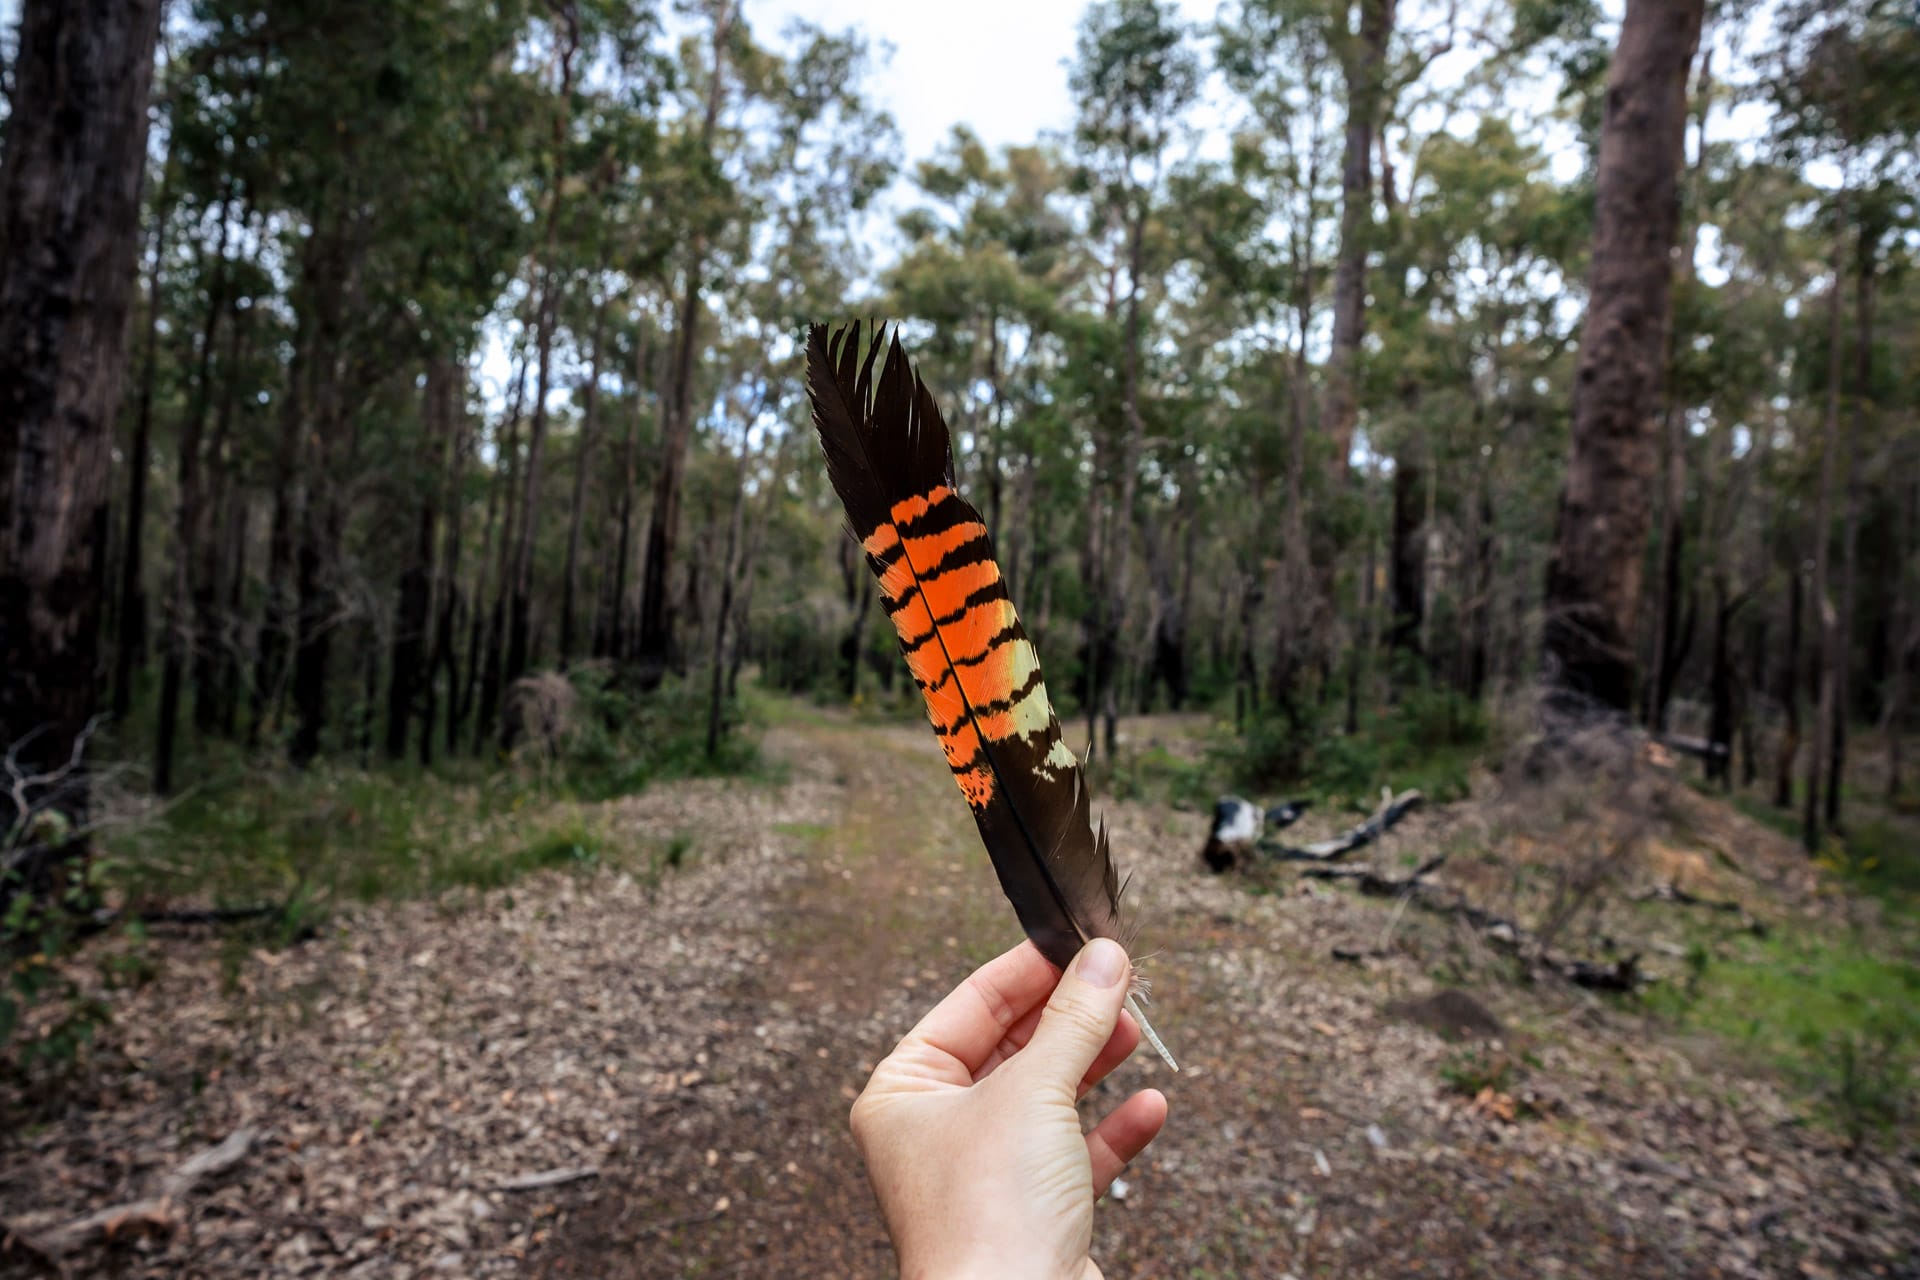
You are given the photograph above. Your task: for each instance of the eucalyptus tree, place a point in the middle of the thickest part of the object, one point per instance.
(70, 174)
(1842, 84)
(1134, 76)
(1594, 575)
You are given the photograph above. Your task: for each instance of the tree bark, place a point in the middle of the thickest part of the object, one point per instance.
(181, 638)
(654, 648)
(582, 453)
(70, 173)
(1825, 622)
(130, 650)
(1593, 575)
(489, 673)
(215, 657)
(1407, 559)
(446, 593)
(1363, 66)
(1666, 627)
(1789, 696)
(1850, 538)
(413, 607)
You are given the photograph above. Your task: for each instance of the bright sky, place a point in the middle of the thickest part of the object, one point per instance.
(997, 65)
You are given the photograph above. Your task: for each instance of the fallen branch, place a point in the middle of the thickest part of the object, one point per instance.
(1383, 820)
(549, 1179)
(151, 1214)
(1506, 935)
(1698, 748)
(1672, 892)
(1371, 882)
(106, 919)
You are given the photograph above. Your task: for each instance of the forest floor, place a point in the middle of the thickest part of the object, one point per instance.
(694, 1039)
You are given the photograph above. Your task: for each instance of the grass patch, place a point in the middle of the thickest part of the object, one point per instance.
(1837, 1021)
(253, 832)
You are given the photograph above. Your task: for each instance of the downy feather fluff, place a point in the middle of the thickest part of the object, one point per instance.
(891, 461)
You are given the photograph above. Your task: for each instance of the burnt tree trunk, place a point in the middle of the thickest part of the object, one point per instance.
(1789, 696)
(1593, 575)
(1825, 623)
(583, 452)
(130, 650)
(507, 481)
(181, 640)
(1407, 558)
(413, 608)
(444, 662)
(75, 148)
(1850, 537)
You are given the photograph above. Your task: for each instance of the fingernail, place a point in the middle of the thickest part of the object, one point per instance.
(1102, 963)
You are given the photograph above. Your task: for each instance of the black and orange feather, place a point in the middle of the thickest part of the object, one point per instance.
(891, 461)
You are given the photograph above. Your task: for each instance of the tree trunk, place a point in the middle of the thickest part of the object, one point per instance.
(75, 148)
(188, 516)
(1666, 627)
(413, 608)
(1593, 576)
(615, 588)
(546, 313)
(1118, 569)
(1789, 697)
(447, 579)
(130, 651)
(214, 657)
(288, 502)
(1825, 623)
(1720, 722)
(1363, 66)
(655, 641)
(1407, 558)
(1850, 538)
(495, 625)
(716, 701)
(582, 453)
(1906, 639)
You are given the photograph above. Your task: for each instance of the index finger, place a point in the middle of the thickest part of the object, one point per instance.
(970, 1023)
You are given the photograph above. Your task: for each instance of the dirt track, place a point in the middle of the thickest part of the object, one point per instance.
(698, 1045)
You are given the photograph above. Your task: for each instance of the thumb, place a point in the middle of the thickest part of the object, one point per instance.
(1079, 1017)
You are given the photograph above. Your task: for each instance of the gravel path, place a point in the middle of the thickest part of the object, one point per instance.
(696, 1044)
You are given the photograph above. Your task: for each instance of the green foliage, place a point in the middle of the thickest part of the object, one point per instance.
(1429, 740)
(334, 833)
(624, 742)
(36, 933)
(1838, 1021)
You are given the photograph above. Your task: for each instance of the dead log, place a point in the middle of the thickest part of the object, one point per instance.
(549, 1178)
(1371, 882)
(1698, 748)
(156, 1214)
(1672, 892)
(1504, 934)
(1389, 813)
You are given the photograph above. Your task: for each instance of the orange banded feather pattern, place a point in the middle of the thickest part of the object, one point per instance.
(890, 459)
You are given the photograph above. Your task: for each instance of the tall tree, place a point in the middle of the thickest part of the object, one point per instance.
(1134, 77)
(1593, 576)
(70, 174)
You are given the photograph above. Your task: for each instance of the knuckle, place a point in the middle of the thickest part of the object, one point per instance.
(1080, 1019)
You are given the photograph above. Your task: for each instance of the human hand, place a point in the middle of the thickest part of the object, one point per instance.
(969, 1130)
